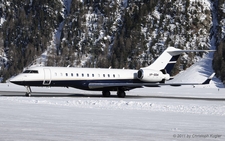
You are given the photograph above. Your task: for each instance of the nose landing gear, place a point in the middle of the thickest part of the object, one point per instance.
(28, 93)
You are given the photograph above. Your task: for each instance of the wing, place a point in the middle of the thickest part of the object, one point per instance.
(139, 85)
(107, 85)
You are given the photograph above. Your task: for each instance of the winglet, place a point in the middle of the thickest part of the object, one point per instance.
(209, 79)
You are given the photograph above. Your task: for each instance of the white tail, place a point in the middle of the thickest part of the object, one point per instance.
(168, 59)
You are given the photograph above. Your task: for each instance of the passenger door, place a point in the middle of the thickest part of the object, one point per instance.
(47, 77)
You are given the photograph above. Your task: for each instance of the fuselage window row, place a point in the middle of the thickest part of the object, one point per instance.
(77, 74)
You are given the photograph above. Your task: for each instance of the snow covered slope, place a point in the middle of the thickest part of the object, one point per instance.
(199, 72)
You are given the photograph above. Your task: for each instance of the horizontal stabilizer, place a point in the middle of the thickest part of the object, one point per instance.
(176, 52)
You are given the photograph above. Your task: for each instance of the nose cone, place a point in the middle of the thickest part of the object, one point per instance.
(16, 80)
(13, 80)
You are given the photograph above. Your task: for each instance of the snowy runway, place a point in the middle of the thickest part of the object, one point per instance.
(138, 117)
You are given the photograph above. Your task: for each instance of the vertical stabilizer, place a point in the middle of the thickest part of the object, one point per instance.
(166, 60)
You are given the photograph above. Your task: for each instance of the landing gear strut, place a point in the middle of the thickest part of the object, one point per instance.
(28, 93)
(106, 93)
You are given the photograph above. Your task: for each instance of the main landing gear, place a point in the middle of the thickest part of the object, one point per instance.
(106, 93)
(120, 93)
(28, 93)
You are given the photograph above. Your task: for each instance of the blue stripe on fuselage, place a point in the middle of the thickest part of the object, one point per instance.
(80, 84)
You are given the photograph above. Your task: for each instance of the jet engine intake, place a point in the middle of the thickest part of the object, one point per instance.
(148, 75)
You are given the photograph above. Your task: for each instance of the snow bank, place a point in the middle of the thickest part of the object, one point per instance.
(127, 104)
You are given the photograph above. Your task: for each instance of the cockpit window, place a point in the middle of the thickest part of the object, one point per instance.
(30, 71)
(33, 71)
(26, 71)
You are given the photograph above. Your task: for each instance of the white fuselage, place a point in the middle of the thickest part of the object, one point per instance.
(80, 77)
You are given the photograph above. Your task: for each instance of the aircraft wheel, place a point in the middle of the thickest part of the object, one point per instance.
(106, 93)
(28, 94)
(121, 94)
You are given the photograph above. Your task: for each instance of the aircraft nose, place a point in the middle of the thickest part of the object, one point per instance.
(16, 80)
(12, 80)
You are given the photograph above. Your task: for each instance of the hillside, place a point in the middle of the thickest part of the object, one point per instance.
(97, 33)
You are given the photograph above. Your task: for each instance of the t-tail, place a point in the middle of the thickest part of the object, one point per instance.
(166, 61)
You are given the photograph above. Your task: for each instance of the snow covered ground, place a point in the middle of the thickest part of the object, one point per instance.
(167, 113)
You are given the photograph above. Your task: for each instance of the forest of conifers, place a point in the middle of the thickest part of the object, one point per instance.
(97, 33)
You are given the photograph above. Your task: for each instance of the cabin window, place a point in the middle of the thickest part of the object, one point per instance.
(113, 75)
(103, 75)
(82, 75)
(71, 74)
(66, 74)
(77, 74)
(93, 75)
(108, 75)
(87, 75)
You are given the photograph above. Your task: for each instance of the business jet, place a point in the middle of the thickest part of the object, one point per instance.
(106, 80)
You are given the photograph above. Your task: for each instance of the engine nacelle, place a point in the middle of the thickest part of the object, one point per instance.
(148, 75)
